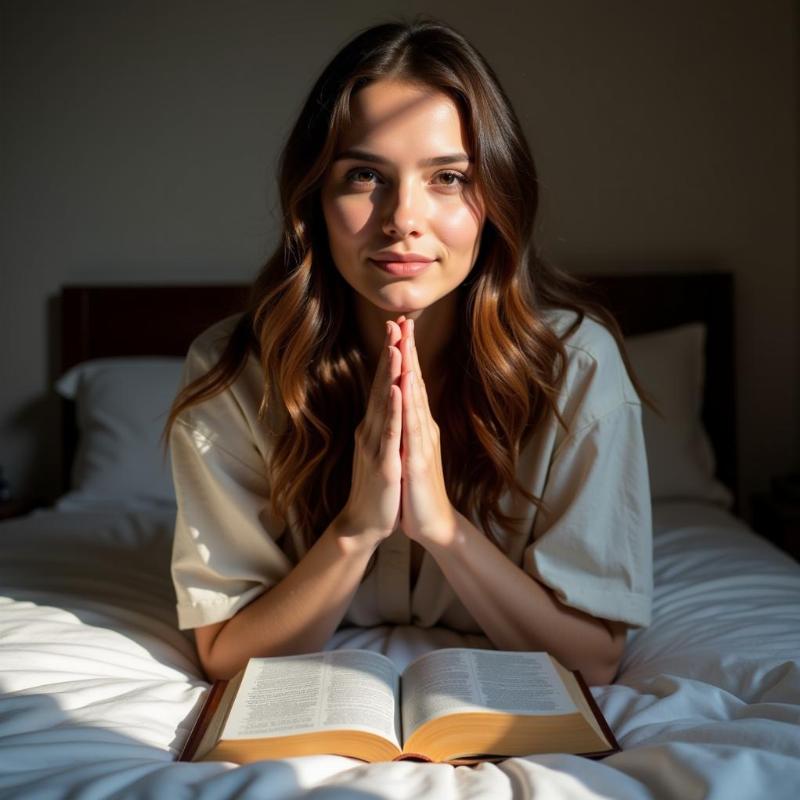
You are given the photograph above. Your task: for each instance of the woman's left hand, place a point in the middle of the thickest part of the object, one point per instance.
(426, 514)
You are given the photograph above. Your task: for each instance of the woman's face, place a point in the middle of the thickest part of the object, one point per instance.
(389, 198)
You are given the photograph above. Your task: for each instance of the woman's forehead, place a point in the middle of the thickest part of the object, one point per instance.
(390, 115)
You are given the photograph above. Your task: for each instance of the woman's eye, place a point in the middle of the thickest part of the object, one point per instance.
(453, 178)
(356, 175)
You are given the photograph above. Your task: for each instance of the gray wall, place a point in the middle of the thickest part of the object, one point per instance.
(139, 143)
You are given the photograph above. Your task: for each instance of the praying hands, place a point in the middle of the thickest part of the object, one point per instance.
(427, 516)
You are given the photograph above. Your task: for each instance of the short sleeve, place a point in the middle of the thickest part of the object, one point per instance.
(225, 550)
(593, 544)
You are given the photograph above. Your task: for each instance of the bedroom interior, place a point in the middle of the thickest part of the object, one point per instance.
(100, 690)
(140, 216)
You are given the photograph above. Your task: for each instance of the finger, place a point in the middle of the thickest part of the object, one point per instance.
(407, 345)
(421, 410)
(385, 373)
(418, 370)
(392, 382)
(419, 390)
(412, 435)
(393, 424)
(395, 332)
(380, 369)
(411, 364)
(395, 359)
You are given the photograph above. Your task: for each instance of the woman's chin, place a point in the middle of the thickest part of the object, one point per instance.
(395, 309)
(403, 302)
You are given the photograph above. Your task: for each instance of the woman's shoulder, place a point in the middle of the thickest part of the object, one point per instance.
(588, 337)
(207, 347)
(596, 380)
(241, 399)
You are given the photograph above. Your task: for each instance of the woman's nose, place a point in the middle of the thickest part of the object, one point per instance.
(405, 211)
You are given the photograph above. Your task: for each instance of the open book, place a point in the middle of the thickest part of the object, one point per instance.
(455, 705)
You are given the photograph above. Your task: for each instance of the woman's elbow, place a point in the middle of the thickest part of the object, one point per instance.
(215, 671)
(602, 668)
(211, 654)
(600, 673)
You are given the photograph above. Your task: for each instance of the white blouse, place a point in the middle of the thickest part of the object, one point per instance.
(593, 548)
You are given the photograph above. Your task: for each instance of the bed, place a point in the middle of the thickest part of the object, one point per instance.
(99, 690)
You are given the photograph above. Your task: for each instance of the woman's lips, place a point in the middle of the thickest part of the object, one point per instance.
(402, 267)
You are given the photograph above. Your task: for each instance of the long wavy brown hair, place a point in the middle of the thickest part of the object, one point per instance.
(505, 365)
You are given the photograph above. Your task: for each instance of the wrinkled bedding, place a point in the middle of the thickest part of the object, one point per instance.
(98, 688)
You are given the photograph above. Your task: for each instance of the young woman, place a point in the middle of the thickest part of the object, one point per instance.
(416, 420)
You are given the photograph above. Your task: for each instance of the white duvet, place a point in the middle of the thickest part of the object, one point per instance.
(98, 689)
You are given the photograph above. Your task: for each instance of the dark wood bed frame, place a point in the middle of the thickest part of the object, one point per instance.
(105, 321)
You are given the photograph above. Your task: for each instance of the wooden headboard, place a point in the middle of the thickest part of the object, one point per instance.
(105, 321)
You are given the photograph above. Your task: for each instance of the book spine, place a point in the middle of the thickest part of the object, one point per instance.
(210, 706)
(601, 720)
(412, 757)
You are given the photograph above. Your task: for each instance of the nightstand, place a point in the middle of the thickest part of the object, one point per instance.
(777, 518)
(16, 507)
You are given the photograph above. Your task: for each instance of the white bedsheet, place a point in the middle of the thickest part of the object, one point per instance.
(98, 689)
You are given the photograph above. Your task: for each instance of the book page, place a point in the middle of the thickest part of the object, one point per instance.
(283, 696)
(361, 693)
(467, 680)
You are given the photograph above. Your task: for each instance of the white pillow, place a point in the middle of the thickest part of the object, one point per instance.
(121, 405)
(671, 365)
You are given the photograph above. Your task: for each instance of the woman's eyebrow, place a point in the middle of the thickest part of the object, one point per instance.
(363, 155)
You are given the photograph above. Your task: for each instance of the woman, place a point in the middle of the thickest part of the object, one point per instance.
(416, 420)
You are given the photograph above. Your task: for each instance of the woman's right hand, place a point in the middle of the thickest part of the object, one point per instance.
(373, 508)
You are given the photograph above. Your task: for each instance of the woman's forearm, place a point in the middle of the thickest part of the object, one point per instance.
(516, 612)
(297, 615)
